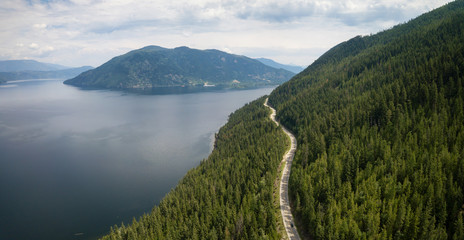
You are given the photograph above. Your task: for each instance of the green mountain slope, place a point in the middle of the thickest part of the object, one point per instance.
(380, 127)
(153, 66)
(230, 195)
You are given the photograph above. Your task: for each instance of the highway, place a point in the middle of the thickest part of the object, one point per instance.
(285, 210)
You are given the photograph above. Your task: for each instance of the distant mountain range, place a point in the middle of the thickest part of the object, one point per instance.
(154, 67)
(274, 64)
(65, 73)
(31, 69)
(28, 65)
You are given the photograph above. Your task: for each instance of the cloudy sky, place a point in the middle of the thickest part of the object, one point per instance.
(86, 32)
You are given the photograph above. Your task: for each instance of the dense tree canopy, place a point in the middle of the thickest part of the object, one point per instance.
(230, 195)
(380, 127)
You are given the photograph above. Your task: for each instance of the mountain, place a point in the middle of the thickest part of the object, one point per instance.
(31, 69)
(153, 66)
(28, 65)
(380, 126)
(274, 64)
(30, 74)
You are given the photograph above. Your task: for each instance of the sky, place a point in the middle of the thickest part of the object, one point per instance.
(85, 32)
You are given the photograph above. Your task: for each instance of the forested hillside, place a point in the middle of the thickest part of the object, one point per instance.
(380, 127)
(155, 67)
(230, 195)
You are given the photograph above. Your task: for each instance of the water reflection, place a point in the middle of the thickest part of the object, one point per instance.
(74, 162)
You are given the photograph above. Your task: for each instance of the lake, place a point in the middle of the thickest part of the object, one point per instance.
(75, 162)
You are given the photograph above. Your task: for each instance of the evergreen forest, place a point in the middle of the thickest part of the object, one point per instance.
(379, 122)
(380, 126)
(230, 195)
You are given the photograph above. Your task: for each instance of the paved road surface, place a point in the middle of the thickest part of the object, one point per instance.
(290, 228)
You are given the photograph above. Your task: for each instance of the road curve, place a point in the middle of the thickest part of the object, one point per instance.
(285, 210)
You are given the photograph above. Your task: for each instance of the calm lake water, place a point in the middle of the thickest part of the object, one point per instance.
(75, 162)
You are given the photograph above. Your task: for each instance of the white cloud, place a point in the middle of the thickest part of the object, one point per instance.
(227, 50)
(85, 32)
(40, 25)
(33, 46)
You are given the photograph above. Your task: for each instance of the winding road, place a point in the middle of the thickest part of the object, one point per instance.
(285, 210)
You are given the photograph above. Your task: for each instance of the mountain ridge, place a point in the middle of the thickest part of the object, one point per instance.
(154, 66)
(31, 74)
(28, 65)
(373, 116)
(292, 68)
(380, 131)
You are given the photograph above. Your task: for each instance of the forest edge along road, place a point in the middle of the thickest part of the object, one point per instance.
(285, 210)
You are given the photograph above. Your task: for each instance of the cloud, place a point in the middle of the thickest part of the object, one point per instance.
(40, 25)
(35, 50)
(83, 32)
(227, 50)
(276, 11)
(33, 46)
(351, 12)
